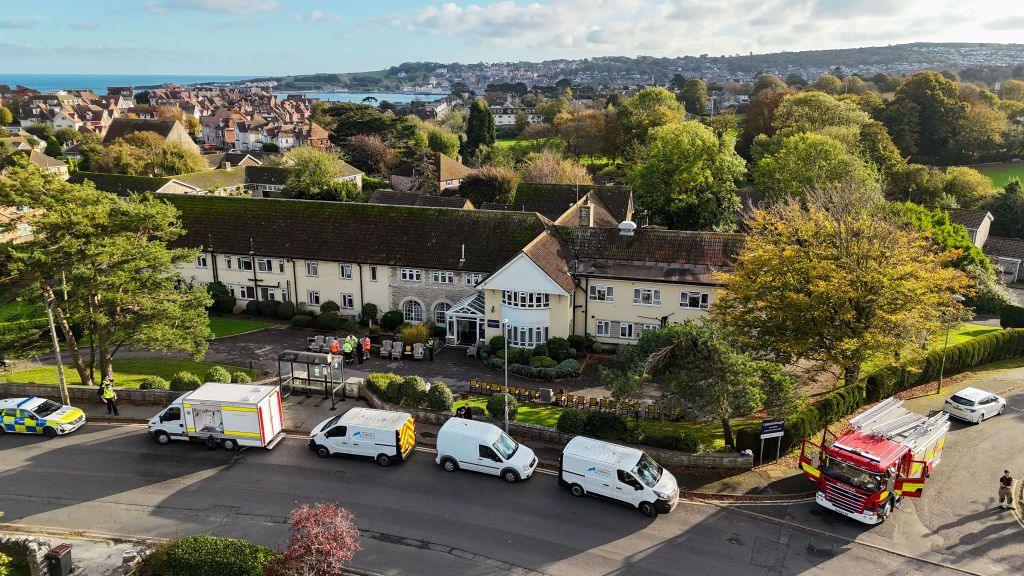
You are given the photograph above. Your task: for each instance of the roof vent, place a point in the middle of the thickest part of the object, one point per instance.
(626, 228)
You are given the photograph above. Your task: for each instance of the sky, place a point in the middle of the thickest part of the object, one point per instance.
(277, 37)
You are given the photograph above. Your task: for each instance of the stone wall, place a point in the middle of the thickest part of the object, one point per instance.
(33, 549)
(83, 394)
(426, 292)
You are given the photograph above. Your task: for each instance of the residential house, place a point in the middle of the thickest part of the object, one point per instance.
(399, 198)
(977, 223)
(48, 163)
(450, 173)
(1008, 256)
(169, 130)
(505, 116)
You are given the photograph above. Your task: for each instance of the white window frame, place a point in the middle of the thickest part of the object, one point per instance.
(312, 268)
(526, 300)
(412, 274)
(442, 277)
(474, 278)
(265, 265)
(313, 297)
(408, 318)
(647, 327)
(202, 262)
(245, 263)
(604, 328)
(602, 293)
(703, 300)
(627, 331)
(246, 292)
(227, 262)
(373, 273)
(267, 293)
(345, 271)
(526, 336)
(653, 293)
(443, 315)
(347, 301)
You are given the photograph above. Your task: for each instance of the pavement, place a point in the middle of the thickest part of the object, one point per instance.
(91, 554)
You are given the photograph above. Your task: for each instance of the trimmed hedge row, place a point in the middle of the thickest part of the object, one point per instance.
(564, 369)
(410, 391)
(205, 555)
(1012, 316)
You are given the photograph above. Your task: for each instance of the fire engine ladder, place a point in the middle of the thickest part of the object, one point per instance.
(890, 420)
(876, 413)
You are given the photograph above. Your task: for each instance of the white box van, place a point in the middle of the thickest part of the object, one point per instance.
(382, 435)
(228, 415)
(621, 473)
(482, 447)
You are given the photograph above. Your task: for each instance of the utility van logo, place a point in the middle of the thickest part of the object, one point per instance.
(592, 469)
(357, 434)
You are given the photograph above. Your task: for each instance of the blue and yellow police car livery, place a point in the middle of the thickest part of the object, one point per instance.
(35, 415)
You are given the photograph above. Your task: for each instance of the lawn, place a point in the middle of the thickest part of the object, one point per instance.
(18, 310)
(128, 373)
(222, 327)
(1000, 172)
(963, 333)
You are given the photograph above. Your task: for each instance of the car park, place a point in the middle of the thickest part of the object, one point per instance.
(464, 444)
(974, 405)
(382, 435)
(34, 415)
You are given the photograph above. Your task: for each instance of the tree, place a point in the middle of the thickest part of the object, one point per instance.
(694, 96)
(550, 168)
(835, 281)
(53, 148)
(647, 110)
(767, 82)
(144, 154)
(348, 119)
(828, 84)
(67, 136)
(760, 117)
(877, 147)
(555, 107)
(1009, 210)
(103, 263)
(796, 80)
(583, 132)
(686, 177)
(479, 128)
(936, 113)
(312, 174)
(41, 131)
(980, 131)
(807, 111)
(6, 116)
(949, 238)
(425, 178)
(369, 153)
(971, 189)
(805, 161)
(1010, 90)
(173, 159)
(489, 184)
(442, 141)
(323, 539)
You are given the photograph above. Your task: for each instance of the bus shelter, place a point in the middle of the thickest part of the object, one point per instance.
(312, 371)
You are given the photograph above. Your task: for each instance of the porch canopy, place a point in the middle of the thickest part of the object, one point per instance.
(465, 320)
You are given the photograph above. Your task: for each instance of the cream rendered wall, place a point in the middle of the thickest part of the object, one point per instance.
(561, 315)
(492, 311)
(329, 283)
(378, 292)
(624, 310)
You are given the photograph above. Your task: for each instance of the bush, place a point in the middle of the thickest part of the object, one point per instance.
(1012, 317)
(439, 397)
(350, 326)
(519, 356)
(252, 308)
(496, 362)
(217, 374)
(205, 555)
(414, 334)
(582, 344)
(384, 385)
(558, 348)
(154, 383)
(391, 320)
(240, 377)
(285, 310)
(496, 343)
(496, 406)
(268, 307)
(369, 312)
(542, 362)
(302, 321)
(184, 381)
(571, 421)
(541, 350)
(223, 301)
(329, 306)
(412, 391)
(605, 425)
(328, 321)
(566, 369)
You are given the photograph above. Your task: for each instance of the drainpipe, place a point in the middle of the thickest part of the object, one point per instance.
(295, 282)
(361, 300)
(586, 309)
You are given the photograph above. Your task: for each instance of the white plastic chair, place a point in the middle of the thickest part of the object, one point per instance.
(417, 351)
(397, 349)
(385, 349)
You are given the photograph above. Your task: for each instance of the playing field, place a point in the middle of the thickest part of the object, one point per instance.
(1002, 171)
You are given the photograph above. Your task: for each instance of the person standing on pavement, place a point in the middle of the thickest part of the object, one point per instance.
(430, 348)
(109, 396)
(366, 348)
(1006, 490)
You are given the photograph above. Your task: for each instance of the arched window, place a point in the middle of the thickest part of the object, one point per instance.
(413, 311)
(439, 312)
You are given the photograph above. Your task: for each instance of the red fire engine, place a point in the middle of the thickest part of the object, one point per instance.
(866, 472)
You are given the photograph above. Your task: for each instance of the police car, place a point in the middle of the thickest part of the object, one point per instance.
(39, 416)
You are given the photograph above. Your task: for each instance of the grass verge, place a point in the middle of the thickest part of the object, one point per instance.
(222, 327)
(128, 373)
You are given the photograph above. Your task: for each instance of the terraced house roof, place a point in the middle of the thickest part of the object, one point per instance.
(361, 233)
(552, 200)
(119, 183)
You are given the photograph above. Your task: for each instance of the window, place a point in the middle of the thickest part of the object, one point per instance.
(526, 336)
(626, 330)
(201, 261)
(439, 312)
(412, 274)
(373, 273)
(525, 299)
(246, 293)
(345, 270)
(313, 297)
(604, 327)
(244, 263)
(474, 278)
(227, 262)
(647, 296)
(337, 432)
(264, 265)
(312, 268)
(628, 479)
(346, 302)
(694, 300)
(602, 293)
(413, 311)
(442, 277)
(267, 293)
(647, 327)
(487, 453)
(172, 414)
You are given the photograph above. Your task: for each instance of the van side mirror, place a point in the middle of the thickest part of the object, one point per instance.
(638, 487)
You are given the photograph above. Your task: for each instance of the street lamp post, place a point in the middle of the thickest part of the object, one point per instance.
(505, 327)
(949, 323)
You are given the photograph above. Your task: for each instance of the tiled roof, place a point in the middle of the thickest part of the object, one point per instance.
(972, 219)
(400, 198)
(1004, 247)
(121, 127)
(449, 168)
(550, 254)
(119, 183)
(211, 180)
(553, 200)
(362, 233)
(266, 175)
(215, 159)
(39, 159)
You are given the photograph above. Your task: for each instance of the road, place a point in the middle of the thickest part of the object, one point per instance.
(416, 518)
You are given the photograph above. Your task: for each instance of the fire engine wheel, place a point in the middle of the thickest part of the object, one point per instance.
(229, 444)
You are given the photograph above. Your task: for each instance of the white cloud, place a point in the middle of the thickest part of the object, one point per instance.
(17, 23)
(317, 16)
(580, 28)
(85, 25)
(221, 6)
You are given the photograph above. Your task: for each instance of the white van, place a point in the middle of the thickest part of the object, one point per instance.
(482, 447)
(222, 414)
(382, 435)
(621, 473)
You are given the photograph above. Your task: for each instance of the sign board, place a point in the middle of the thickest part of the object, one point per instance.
(494, 323)
(772, 428)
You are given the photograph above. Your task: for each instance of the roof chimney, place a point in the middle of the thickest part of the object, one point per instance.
(225, 165)
(626, 228)
(462, 259)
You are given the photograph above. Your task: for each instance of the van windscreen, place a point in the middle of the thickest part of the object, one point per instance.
(505, 446)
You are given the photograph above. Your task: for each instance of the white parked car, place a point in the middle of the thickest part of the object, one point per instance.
(482, 447)
(621, 473)
(974, 405)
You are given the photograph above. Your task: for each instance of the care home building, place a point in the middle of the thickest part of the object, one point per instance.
(478, 273)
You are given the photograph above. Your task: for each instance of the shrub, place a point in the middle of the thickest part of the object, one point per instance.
(350, 326)
(414, 333)
(252, 308)
(369, 312)
(566, 369)
(687, 442)
(540, 350)
(205, 555)
(1012, 317)
(302, 321)
(268, 307)
(384, 385)
(411, 391)
(328, 321)
(184, 381)
(582, 343)
(439, 397)
(496, 406)
(240, 377)
(542, 362)
(558, 348)
(154, 383)
(635, 435)
(497, 343)
(217, 374)
(391, 320)
(329, 306)
(285, 311)
(605, 425)
(519, 356)
(571, 421)
(496, 362)
(223, 301)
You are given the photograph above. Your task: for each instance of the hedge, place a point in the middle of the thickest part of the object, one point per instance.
(240, 377)
(496, 406)
(565, 369)
(205, 555)
(328, 321)
(185, 381)
(384, 385)
(439, 397)
(1012, 317)
(154, 383)
(285, 310)
(412, 391)
(302, 321)
(571, 421)
(217, 374)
